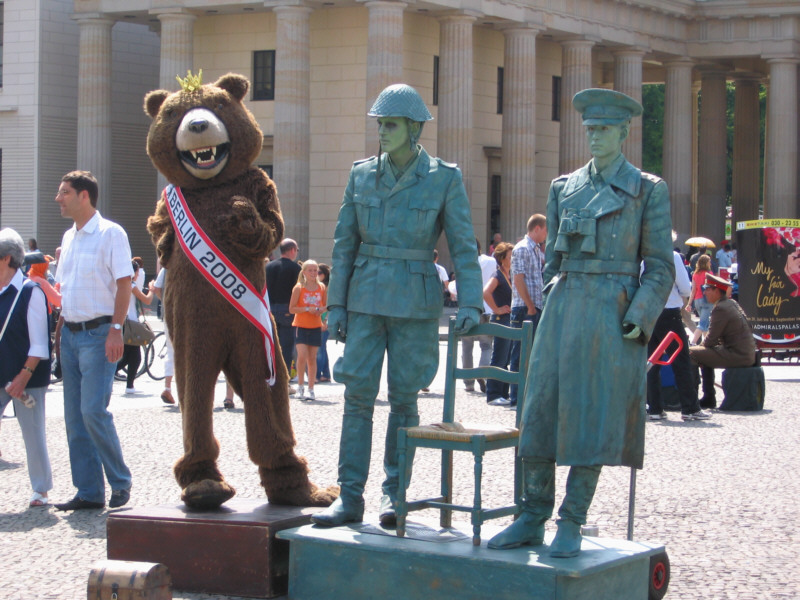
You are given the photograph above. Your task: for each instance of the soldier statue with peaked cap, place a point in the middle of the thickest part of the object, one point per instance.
(385, 296)
(584, 406)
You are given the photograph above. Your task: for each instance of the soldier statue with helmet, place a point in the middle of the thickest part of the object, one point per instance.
(385, 296)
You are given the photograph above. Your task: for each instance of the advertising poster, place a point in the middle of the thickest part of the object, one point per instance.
(769, 278)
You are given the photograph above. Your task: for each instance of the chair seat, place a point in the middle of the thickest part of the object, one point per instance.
(458, 432)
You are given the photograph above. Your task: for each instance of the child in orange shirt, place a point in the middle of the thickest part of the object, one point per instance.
(308, 302)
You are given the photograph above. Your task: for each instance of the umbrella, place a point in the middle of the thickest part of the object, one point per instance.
(700, 242)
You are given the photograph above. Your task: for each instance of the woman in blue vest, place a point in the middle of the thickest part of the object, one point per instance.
(25, 359)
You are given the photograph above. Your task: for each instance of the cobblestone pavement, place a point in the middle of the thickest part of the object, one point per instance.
(722, 495)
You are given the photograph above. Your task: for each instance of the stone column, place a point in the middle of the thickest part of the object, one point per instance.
(679, 105)
(576, 75)
(94, 103)
(518, 171)
(712, 158)
(628, 80)
(454, 130)
(780, 160)
(384, 58)
(454, 133)
(177, 52)
(746, 145)
(292, 125)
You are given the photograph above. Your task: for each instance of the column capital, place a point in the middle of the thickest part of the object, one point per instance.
(747, 77)
(175, 13)
(383, 3)
(459, 15)
(679, 61)
(781, 59)
(575, 41)
(634, 51)
(709, 72)
(289, 6)
(93, 17)
(521, 28)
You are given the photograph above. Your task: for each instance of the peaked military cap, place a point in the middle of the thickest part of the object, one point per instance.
(400, 100)
(716, 282)
(605, 107)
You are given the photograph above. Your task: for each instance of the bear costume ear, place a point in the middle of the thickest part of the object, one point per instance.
(236, 85)
(153, 101)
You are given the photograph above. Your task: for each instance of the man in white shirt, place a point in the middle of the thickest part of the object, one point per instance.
(95, 275)
(670, 320)
(488, 268)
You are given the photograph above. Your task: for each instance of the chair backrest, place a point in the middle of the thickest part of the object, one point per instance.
(524, 335)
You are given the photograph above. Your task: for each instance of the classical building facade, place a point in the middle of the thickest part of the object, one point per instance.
(498, 75)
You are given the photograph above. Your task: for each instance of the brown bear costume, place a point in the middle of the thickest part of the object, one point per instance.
(204, 141)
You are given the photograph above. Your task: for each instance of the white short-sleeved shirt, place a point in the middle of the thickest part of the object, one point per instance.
(38, 333)
(92, 259)
(488, 269)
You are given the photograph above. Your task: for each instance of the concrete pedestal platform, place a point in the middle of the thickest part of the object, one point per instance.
(358, 562)
(231, 551)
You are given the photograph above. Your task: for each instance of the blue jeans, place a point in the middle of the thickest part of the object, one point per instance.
(323, 366)
(501, 351)
(91, 435)
(518, 315)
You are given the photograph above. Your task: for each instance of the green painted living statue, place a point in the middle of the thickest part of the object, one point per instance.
(584, 405)
(385, 296)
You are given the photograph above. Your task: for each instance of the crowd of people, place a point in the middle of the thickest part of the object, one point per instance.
(96, 285)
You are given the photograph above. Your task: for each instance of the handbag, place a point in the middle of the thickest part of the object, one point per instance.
(135, 333)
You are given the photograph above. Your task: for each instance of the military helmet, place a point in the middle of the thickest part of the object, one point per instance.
(400, 100)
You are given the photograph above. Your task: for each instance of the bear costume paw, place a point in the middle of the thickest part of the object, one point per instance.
(308, 495)
(207, 494)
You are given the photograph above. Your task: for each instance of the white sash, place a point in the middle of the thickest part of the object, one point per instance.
(220, 272)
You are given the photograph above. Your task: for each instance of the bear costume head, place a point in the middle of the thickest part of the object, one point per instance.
(202, 135)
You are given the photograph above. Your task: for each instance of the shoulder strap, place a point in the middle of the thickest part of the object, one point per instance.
(10, 310)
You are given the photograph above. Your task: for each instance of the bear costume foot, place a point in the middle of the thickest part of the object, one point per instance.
(308, 495)
(287, 483)
(207, 494)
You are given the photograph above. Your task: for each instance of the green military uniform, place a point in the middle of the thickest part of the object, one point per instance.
(383, 274)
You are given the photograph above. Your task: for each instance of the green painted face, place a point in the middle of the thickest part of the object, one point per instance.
(393, 134)
(605, 141)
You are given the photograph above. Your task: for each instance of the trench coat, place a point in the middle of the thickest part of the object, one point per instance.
(585, 400)
(729, 342)
(386, 233)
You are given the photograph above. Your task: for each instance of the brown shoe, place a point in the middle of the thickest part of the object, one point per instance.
(482, 385)
(166, 397)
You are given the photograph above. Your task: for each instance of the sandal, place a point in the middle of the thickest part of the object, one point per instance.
(228, 403)
(38, 499)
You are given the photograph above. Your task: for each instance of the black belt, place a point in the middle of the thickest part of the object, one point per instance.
(87, 325)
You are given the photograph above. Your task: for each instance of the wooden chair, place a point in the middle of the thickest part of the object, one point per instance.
(448, 435)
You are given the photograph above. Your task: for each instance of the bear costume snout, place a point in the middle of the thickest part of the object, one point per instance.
(203, 143)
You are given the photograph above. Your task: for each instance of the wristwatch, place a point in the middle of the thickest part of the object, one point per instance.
(116, 326)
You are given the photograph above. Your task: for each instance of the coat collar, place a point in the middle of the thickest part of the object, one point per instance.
(417, 171)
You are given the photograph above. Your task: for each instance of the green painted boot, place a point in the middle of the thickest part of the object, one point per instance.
(581, 484)
(387, 515)
(339, 513)
(528, 530)
(354, 452)
(536, 507)
(567, 542)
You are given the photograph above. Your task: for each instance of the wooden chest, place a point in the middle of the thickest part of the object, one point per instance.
(230, 551)
(123, 580)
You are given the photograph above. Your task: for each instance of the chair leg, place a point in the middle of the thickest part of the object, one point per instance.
(401, 510)
(477, 514)
(445, 514)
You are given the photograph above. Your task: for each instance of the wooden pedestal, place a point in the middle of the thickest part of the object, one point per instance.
(231, 551)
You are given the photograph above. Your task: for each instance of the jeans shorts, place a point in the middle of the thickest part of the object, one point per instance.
(309, 337)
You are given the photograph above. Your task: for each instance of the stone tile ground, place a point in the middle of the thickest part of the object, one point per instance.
(722, 495)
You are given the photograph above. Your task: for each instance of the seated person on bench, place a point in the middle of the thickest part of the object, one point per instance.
(729, 342)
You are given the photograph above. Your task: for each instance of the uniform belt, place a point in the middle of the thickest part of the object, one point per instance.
(87, 325)
(593, 266)
(396, 253)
